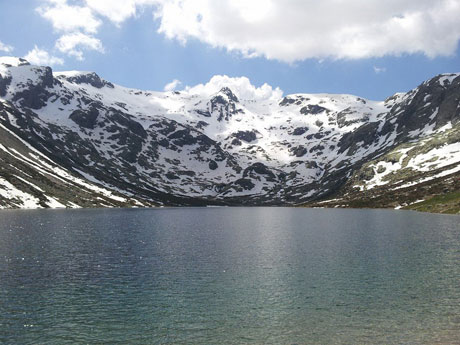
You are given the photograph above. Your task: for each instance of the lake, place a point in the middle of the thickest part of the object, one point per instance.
(229, 276)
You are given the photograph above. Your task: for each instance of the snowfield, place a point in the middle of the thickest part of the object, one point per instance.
(224, 139)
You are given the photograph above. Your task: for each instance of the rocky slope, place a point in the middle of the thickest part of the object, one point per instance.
(72, 139)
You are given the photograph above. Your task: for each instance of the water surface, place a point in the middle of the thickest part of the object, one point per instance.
(229, 276)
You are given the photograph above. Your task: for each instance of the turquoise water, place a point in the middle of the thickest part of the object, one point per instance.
(229, 276)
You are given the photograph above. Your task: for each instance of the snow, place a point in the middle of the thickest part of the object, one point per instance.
(45, 166)
(11, 60)
(258, 110)
(70, 73)
(436, 158)
(241, 86)
(378, 179)
(20, 198)
(441, 174)
(53, 203)
(22, 76)
(95, 188)
(73, 205)
(444, 128)
(265, 116)
(448, 78)
(30, 183)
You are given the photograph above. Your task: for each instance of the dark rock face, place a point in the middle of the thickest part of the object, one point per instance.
(172, 176)
(182, 137)
(286, 101)
(236, 142)
(299, 151)
(22, 62)
(92, 79)
(224, 104)
(126, 120)
(246, 184)
(367, 174)
(168, 159)
(224, 108)
(34, 98)
(203, 113)
(188, 173)
(86, 119)
(202, 124)
(364, 135)
(449, 102)
(247, 136)
(213, 165)
(47, 78)
(36, 95)
(259, 169)
(428, 99)
(4, 82)
(300, 130)
(311, 165)
(218, 100)
(387, 128)
(127, 133)
(231, 96)
(317, 148)
(166, 127)
(342, 118)
(297, 101)
(312, 109)
(319, 135)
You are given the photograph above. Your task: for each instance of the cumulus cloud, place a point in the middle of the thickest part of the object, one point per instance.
(241, 86)
(67, 18)
(172, 85)
(284, 30)
(39, 56)
(71, 21)
(297, 30)
(118, 11)
(73, 44)
(5, 47)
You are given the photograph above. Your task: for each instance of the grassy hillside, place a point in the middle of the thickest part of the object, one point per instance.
(439, 195)
(448, 203)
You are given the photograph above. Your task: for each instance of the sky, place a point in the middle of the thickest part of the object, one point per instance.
(369, 48)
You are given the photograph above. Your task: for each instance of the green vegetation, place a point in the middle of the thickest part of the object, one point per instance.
(447, 203)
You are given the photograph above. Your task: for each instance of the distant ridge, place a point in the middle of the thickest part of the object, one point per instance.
(73, 139)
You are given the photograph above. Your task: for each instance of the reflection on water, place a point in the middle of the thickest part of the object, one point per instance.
(229, 276)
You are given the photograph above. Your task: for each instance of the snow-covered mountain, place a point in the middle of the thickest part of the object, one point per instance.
(73, 139)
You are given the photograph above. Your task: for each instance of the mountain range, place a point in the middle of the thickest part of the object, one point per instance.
(73, 139)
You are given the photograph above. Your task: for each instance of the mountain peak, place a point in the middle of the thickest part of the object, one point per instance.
(228, 92)
(90, 78)
(211, 145)
(13, 61)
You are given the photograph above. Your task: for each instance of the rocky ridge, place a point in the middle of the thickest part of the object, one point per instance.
(72, 139)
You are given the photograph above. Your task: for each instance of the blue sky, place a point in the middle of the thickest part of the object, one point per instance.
(370, 51)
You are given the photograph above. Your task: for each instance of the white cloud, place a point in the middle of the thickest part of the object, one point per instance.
(298, 30)
(5, 47)
(73, 44)
(288, 31)
(241, 86)
(118, 11)
(379, 70)
(67, 18)
(39, 56)
(172, 85)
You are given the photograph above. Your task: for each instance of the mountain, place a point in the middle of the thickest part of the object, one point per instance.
(73, 139)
